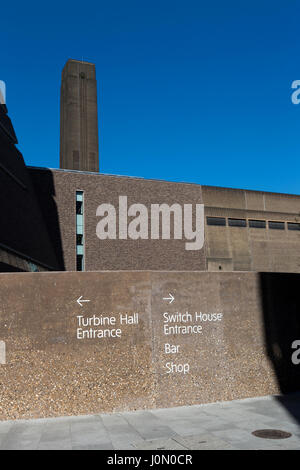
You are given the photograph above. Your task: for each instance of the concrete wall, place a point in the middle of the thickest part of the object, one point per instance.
(251, 249)
(50, 371)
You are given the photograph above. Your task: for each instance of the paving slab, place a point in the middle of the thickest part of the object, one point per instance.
(122, 434)
(148, 425)
(215, 426)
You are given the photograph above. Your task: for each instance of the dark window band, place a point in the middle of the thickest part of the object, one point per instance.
(216, 221)
(237, 222)
(276, 225)
(257, 223)
(293, 226)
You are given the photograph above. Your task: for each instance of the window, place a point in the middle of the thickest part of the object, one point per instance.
(79, 239)
(292, 226)
(216, 221)
(237, 222)
(276, 225)
(79, 231)
(79, 207)
(257, 223)
(79, 263)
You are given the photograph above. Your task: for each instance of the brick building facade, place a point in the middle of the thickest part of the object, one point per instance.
(49, 216)
(244, 230)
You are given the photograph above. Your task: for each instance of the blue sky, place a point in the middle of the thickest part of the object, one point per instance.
(195, 91)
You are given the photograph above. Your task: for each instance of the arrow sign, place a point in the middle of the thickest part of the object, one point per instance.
(80, 300)
(170, 298)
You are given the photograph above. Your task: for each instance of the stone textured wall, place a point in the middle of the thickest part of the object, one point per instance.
(50, 372)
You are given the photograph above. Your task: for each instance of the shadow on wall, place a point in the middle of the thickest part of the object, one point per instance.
(281, 314)
(44, 188)
(7, 268)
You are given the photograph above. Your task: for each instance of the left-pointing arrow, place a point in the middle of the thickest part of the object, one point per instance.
(80, 300)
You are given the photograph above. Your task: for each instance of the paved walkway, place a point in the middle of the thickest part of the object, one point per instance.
(226, 425)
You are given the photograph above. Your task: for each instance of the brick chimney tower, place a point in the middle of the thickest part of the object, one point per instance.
(78, 117)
